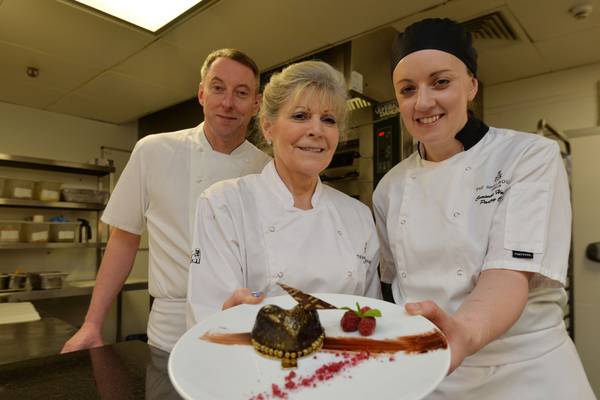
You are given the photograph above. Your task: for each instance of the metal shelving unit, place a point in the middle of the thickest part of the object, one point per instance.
(63, 205)
(48, 245)
(7, 160)
(43, 164)
(70, 289)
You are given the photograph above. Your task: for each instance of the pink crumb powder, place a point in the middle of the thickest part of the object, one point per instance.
(294, 382)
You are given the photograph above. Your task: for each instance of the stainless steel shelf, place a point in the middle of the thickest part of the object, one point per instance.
(70, 289)
(48, 245)
(7, 160)
(66, 205)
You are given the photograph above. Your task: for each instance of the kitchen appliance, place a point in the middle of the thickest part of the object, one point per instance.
(85, 230)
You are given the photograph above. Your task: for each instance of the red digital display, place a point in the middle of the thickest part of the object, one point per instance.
(381, 134)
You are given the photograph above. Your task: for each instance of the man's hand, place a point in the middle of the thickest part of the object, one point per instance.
(87, 337)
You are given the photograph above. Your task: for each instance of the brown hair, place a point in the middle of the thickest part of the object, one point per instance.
(234, 55)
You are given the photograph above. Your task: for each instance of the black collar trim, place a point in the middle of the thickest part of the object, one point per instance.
(473, 131)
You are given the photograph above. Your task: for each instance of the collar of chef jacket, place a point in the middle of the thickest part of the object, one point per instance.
(473, 131)
(279, 188)
(199, 138)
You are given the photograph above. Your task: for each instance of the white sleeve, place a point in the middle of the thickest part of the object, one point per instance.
(387, 269)
(128, 202)
(531, 229)
(216, 269)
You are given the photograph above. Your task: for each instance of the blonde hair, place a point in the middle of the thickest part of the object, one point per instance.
(301, 80)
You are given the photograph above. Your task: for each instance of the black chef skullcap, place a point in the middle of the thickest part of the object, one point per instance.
(437, 34)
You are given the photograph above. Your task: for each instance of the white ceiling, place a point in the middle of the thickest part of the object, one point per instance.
(97, 68)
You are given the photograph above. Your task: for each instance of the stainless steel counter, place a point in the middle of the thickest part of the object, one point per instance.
(27, 340)
(126, 370)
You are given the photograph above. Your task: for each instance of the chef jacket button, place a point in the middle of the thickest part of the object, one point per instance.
(271, 228)
(339, 232)
(402, 221)
(456, 214)
(403, 274)
(467, 169)
(280, 274)
(198, 180)
(413, 176)
(349, 274)
(460, 272)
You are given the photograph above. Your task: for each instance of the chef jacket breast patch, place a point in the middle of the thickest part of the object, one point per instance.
(196, 256)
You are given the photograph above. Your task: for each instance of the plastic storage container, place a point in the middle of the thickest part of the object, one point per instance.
(46, 280)
(46, 191)
(10, 231)
(18, 281)
(63, 231)
(35, 232)
(19, 188)
(80, 195)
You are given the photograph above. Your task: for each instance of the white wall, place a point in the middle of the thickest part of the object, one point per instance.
(36, 133)
(586, 219)
(567, 100)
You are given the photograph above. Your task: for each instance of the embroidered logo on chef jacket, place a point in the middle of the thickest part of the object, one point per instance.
(363, 257)
(196, 256)
(492, 193)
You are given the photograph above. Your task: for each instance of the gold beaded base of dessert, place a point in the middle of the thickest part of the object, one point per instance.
(289, 359)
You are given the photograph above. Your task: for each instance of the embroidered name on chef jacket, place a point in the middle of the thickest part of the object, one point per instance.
(362, 256)
(196, 256)
(493, 192)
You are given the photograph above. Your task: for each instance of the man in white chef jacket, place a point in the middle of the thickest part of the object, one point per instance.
(158, 189)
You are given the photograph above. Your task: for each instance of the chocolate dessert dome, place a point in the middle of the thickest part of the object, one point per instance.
(287, 334)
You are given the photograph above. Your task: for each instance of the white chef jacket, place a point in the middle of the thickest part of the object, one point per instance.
(157, 190)
(249, 234)
(503, 203)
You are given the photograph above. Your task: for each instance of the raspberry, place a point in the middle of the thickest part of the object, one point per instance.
(349, 321)
(366, 326)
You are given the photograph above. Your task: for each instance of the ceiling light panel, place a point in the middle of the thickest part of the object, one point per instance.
(148, 14)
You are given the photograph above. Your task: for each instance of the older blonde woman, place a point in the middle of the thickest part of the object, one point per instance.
(284, 225)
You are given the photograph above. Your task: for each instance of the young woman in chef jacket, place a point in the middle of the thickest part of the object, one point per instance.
(475, 230)
(284, 225)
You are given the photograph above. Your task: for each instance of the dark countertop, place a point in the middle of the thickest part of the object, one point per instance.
(26, 340)
(126, 370)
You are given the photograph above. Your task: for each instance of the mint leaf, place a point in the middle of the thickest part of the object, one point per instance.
(350, 309)
(372, 313)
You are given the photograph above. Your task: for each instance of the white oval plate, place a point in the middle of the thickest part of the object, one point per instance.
(203, 370)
